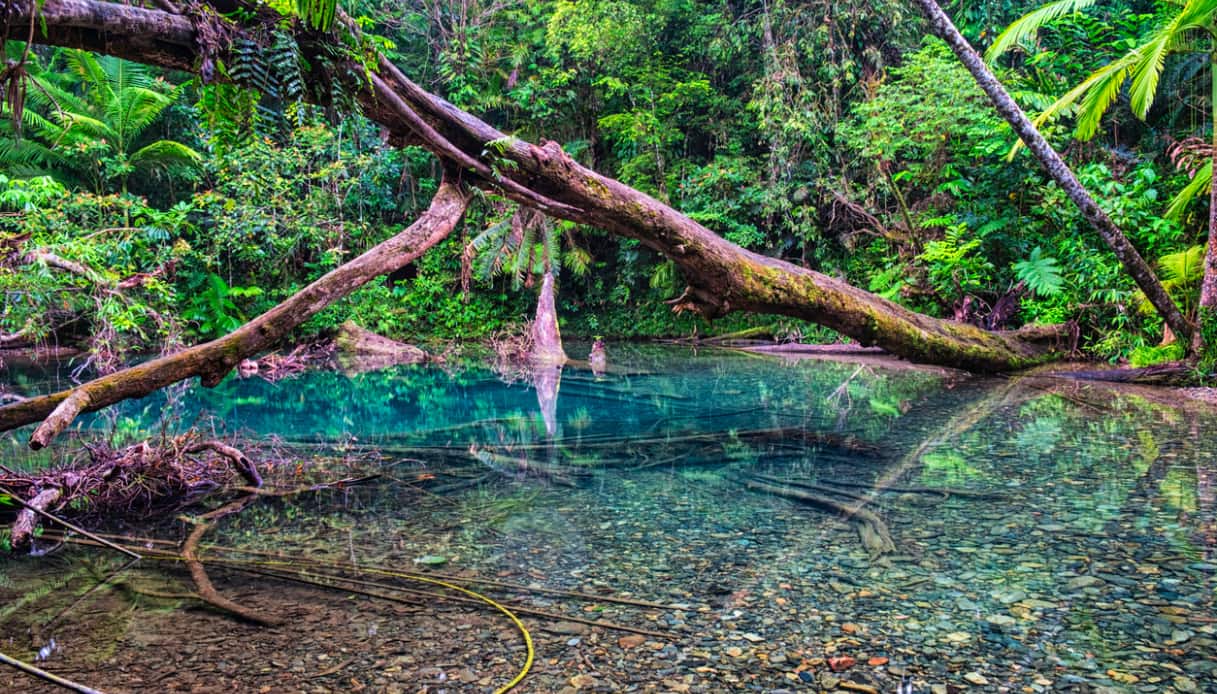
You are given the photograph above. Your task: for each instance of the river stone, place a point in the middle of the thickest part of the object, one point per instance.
(1184, 685)
(1083, 582)
(1001, 620)
(976, 678)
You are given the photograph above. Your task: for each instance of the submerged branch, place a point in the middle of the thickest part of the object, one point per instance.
(47, 676)
(871, 529)
(207, 591)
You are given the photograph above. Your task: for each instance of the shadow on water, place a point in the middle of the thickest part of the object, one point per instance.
(673, 523)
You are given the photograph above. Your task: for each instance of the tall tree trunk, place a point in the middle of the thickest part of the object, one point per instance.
(1206, 311)
(1128, 256)
(546, 338)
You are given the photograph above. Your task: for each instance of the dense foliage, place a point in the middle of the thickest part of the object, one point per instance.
(831, 134)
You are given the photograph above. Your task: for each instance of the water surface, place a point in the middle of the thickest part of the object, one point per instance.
(1078, 555)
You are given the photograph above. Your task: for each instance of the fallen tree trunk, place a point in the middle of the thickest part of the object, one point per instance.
(213, 360)
(722, 276)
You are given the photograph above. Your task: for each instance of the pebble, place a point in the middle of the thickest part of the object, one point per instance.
(1001, 620)
(631, 641)
(976, 678)
(1083, 582)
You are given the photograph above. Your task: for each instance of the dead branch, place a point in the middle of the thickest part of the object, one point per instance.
(871, 529)
(23, 528)
(47, 676)
(241, 463)
(207, 591)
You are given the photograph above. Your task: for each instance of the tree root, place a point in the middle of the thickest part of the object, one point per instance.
(129, 482)
(873, 532)
(207, 591)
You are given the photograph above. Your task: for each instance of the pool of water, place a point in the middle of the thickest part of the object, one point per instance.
(1044, 536)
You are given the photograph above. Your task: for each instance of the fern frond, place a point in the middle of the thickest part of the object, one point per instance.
(165, 153)
(1184, 268)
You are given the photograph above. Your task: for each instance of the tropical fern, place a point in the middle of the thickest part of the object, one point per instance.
(1181, 274)
(94, 105)
(1041, 273)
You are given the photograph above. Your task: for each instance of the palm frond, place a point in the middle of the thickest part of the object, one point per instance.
(165, 153)
(1198, 186)
(1029, 24)
(1184, 268)
(1101, 94)
(1115, 71)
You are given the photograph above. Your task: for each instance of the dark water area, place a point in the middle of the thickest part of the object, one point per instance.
(1045, 536)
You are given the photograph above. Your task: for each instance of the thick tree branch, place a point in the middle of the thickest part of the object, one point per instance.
(211, 361)
(723, 276)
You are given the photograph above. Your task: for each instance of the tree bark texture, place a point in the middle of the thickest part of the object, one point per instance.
(213, 360)
(546, 338)
(1133, 263)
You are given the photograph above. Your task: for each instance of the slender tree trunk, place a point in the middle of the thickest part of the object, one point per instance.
(1132, 261)
(1206, 311)
(546, 338)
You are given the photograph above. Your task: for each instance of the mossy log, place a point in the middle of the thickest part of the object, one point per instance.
(352, 339)
(722, 277)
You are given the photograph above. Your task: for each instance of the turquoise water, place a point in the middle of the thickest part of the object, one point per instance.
(1076, 555)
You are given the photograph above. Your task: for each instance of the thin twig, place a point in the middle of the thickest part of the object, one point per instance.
(47, 676)
(70, 526)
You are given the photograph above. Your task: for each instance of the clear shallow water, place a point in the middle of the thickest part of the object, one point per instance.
(1091, 567)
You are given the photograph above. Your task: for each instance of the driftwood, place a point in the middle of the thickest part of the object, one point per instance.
(875, 536)
(47, 676)
(123, 483)
(23, 528)
(815, 487)
(207, 591)
(508, 466)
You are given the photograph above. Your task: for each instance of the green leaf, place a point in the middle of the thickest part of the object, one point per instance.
(1041, 274)
(1029, 25)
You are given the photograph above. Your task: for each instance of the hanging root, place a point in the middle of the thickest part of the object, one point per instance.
(873, 532)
